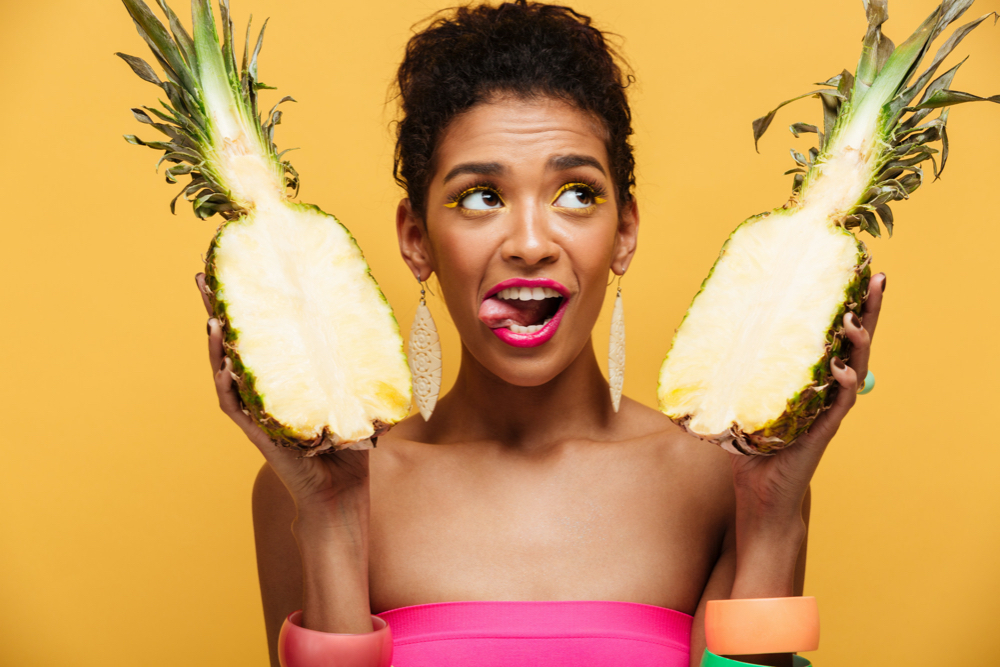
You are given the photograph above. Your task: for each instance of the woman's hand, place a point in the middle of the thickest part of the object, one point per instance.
(313, 482)
(770, 489)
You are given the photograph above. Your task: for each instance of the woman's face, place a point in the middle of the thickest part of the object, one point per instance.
(522, 226)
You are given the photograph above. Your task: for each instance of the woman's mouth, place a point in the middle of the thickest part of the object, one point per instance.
(524, 312)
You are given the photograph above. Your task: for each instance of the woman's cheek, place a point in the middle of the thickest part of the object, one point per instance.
(591, 248)
(461, 259)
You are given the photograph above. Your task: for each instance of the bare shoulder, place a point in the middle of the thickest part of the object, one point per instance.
(643, 422)
(694, 464)
(406, 451)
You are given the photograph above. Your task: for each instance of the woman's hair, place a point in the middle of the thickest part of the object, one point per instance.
(469, 54)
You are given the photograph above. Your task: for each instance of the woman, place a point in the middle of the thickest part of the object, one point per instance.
(525, 485)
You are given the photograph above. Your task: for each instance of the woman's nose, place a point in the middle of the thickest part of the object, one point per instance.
(530, 238)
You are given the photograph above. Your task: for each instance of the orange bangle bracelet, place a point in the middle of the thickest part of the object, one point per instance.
(763, 625)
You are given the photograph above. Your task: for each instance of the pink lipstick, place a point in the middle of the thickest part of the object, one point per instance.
(524, 312)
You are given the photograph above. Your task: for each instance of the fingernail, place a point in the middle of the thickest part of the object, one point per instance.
(884, 281)
(855, 322)
(208, 326)
(838, 364)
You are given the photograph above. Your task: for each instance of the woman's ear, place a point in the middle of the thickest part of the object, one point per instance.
(627, 238)
(413, 242)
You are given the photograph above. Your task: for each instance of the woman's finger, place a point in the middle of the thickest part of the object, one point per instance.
(284, 460)
(824, 428)
(861, 344)
(873, 304)
(847, 391)
(216, 353)
(229, 399)
(203, 289)
(229, 402)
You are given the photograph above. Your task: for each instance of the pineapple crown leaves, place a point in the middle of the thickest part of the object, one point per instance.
(882, 82)
(184, 117)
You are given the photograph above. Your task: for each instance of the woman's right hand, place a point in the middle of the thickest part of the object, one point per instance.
(329, 485)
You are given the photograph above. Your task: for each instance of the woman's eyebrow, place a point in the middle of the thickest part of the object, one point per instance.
(479, 168)
(563, 162)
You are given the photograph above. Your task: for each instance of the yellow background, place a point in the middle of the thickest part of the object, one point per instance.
(125, 533)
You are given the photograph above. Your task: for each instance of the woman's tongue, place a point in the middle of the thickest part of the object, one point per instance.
(497, 313)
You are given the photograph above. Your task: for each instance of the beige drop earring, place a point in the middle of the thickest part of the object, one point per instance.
(616, 350)
(425, 358)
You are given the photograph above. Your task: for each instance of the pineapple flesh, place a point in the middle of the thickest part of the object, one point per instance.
(317, 355)
(749, 365)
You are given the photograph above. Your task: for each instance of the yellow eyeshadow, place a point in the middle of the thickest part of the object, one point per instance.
(583, 186)
(576, 211)
(465, 193)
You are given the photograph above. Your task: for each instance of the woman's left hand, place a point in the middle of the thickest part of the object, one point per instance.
(770, 489)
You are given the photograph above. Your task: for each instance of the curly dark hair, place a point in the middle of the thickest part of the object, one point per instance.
(468, 54)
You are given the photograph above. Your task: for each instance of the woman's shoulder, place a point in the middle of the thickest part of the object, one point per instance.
(690, 480)
(642, 424)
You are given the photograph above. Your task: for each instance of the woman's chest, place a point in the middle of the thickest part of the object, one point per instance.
(610, 532)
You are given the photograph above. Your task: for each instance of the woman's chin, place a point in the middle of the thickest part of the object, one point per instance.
(527, 375)
(527, 365)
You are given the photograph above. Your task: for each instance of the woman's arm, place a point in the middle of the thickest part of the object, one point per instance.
(324, 506)
(721, 585)
(335, 587)
(772, 491)
(279, 567)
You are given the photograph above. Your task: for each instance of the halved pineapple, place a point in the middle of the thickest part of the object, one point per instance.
(749, 365)
(316, 351)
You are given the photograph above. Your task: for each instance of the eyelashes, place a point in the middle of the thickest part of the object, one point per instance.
(485, 187)
(491, 198)
(593, 191)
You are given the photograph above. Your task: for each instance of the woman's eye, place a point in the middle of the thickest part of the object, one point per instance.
(481, 200)
(575, 197)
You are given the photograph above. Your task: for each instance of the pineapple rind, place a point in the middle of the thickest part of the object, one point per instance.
(813, 399)
(808, 402)
(252, 398)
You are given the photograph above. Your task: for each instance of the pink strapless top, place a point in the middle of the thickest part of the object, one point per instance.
(554, 634)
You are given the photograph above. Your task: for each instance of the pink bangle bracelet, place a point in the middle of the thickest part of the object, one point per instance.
(301, 647)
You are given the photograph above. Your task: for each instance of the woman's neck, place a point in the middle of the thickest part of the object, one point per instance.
(481, 407)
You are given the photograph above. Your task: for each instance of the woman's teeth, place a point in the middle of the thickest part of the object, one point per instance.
(527, 294)
(518, 329)
(521, 310)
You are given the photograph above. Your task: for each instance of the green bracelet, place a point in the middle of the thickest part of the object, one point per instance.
(709, 659)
